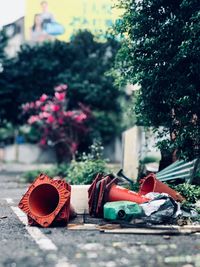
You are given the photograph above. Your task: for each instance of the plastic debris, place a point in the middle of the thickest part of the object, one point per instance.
(152, 184)
(122, 210)
(161, 209)
(105, 189)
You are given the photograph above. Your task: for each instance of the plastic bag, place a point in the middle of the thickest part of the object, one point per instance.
(161, 209)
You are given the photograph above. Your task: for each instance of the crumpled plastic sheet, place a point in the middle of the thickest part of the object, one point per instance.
(160, 209)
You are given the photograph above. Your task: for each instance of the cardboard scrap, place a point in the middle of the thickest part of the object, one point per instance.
(83, 226)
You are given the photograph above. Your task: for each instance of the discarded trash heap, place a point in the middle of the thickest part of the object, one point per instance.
(47, 201)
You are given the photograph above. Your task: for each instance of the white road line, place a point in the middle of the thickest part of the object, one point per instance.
(43, 242)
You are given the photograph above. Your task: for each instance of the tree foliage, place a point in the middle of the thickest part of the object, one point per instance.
(161, 51)
(82, 64)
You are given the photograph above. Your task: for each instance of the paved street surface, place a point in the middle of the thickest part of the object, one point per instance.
(22, 245)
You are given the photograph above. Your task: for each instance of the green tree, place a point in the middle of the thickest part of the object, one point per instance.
(161, 51)
(81, 64)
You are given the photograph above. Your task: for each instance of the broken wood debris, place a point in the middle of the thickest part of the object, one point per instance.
(165, 230)
(88, 226)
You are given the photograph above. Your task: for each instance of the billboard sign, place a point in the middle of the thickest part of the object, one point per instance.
(46, 20)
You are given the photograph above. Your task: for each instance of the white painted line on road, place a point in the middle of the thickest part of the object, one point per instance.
(43, 242)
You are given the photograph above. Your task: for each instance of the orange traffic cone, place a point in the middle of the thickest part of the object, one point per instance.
(118, 193)
(47, 201)
(105, 189)
(152, 184)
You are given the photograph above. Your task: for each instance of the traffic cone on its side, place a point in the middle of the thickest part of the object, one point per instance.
(152, 184)
(105, 189)
(47, 202)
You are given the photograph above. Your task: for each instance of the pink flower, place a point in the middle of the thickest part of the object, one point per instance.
(43, 98)
(33, 119)
(50, 119)
(45, 108)
(37, 104)
(68, 113)
(80, 117)
(43, 141)
(55, 108)
(44, 115)
(31, 104)
(26, 107)
(60, 88)
(64, 86)
(60, 96)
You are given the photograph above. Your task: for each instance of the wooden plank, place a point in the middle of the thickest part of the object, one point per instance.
(89, 227)
(150, 231)
(135, 229)
(159, 227)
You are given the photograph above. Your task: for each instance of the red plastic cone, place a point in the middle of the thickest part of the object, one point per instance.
(118, 193)
(46, 201)
(152, 184)
(105, 189)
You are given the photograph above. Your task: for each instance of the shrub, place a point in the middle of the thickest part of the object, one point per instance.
(190, 192)
(82, 63)
(59, 127)
(84, 170)
(80, 171)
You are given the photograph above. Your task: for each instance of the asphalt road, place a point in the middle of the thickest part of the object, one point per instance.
(23, 246)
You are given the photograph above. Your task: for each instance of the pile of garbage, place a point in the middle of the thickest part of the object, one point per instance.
(48, 202)
(155, 203)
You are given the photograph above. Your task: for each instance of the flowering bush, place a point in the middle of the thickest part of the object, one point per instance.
(59, 126)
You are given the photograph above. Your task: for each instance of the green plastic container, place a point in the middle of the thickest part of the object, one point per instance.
(122, 210)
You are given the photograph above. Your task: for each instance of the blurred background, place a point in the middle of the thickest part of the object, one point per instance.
(59, 100)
